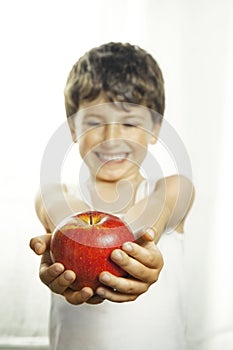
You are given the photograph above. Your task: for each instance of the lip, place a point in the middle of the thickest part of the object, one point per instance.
(112, 157)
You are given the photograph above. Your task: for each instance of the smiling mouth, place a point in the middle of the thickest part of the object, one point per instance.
(116, 157)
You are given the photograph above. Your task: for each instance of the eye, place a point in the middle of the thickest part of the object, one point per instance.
(93, 123)
(130, 125)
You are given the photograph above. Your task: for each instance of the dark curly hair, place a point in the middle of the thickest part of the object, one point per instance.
(122, 72)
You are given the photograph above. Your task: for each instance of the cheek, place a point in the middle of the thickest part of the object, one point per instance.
(139, 143)
(140, 138)
(88, 142)
(85, 145)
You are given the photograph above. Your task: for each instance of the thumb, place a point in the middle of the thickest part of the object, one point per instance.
(40, 244)
(148, 235)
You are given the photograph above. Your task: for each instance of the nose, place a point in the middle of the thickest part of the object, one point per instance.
(112, 131)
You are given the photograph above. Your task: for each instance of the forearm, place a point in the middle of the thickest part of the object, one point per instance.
(150, 212)
(166, 207)
(52, 206)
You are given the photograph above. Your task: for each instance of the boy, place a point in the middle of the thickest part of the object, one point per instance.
(114, 101)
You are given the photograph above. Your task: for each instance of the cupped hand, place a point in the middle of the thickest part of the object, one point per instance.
(142, 260)
(57, 278)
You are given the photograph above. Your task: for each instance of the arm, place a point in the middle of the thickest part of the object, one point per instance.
(179, 196)
(57, 205)
(166, 208)
(138, 260)
(142, 261)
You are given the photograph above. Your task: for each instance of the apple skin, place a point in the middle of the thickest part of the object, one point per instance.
(83, 243)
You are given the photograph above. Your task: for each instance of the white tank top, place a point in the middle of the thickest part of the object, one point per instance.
(156, 320)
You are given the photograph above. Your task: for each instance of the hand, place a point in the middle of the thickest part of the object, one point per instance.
(57, 278)
(142, 260)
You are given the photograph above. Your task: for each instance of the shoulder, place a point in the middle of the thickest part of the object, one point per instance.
(176, 181)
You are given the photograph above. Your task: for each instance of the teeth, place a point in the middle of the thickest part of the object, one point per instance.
(110, 157)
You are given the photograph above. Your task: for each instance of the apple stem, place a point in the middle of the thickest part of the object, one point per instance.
(91, 222)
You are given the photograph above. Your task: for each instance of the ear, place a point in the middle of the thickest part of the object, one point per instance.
(155, 133)
(72, 129)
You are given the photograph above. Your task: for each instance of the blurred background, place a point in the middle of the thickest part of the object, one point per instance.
(193, 44)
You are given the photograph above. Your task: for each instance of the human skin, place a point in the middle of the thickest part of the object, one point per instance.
(113, 144)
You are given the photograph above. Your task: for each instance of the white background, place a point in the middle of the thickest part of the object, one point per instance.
(192, 41)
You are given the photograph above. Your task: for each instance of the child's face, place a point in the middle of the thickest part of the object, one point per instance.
(113, 141)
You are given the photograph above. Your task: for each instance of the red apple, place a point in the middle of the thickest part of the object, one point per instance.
(83, 243)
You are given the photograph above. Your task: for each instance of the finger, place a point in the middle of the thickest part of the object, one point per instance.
(149, 235)
(96, 299)
(48, 274)
(40, 244)
(78, 297)
(149, 255)
(48, 271)
(62, 282)
(134, 267)
(115, 296)
(122, 285)
(146, 236)
(154, 232)
(46, 259)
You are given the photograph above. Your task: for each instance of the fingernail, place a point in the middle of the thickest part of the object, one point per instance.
(117, 255)
(127, 246)
(59, 268)
(38, 247)
(68, 277)
(100, 292)
(105, 277)
(150, 231)
(85, 294)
